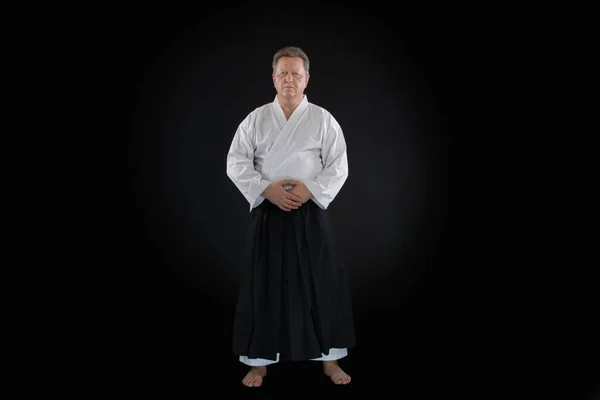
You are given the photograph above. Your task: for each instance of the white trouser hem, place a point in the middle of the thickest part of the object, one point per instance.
(334, 354)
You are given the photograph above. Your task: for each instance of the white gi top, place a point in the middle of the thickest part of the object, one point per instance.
(309, 147)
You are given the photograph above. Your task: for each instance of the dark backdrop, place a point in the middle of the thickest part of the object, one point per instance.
(444, 304)
(180, 83)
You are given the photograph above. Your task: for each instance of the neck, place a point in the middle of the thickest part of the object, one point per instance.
(289, 105)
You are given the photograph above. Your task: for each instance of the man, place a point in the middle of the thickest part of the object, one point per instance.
(288, 158)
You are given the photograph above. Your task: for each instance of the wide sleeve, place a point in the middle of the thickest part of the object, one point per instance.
(325, 186)
(240, 165)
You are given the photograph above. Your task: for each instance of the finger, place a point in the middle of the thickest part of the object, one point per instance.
(294, 197)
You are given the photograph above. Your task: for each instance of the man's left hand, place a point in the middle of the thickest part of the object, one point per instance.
(300, 190)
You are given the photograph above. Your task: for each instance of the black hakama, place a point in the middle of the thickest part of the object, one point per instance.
(294, 296)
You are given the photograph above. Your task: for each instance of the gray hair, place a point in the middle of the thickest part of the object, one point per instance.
(291, 51)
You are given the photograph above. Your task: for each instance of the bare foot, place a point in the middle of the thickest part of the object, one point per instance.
(337, 375)
(254, 377)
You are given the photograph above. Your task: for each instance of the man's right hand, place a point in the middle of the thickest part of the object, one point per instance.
(283, 199)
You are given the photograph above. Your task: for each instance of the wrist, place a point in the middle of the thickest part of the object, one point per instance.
(265, 192)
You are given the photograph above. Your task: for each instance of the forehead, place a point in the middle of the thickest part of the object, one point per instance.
(290, 63)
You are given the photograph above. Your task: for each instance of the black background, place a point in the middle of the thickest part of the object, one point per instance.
(161, 235)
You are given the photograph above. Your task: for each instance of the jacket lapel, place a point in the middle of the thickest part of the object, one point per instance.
(284, 143)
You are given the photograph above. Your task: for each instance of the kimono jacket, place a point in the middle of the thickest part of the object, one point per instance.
(309, 147)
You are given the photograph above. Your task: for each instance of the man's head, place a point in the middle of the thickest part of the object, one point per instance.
(290, 73)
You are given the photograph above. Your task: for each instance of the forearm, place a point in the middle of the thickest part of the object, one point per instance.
(325, 186)
(248, 181)
(240, 168)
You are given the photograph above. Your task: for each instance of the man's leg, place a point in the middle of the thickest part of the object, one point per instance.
(258, 370)
(336, 373)
(331, 367)
(254, 377)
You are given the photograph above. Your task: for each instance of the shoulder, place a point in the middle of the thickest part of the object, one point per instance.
(318, 110)
(262, 109)
(259, 110)
(324, 114)
(255, 114)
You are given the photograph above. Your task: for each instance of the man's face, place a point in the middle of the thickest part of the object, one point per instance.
(290, 79)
